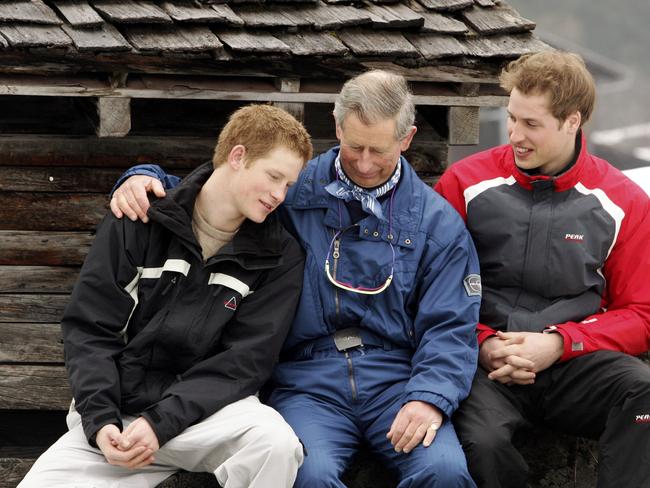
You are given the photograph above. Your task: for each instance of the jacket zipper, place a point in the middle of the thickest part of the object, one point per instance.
(335, 255)
(353, 385)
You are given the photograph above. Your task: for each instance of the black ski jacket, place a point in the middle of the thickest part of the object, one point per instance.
(153, 330)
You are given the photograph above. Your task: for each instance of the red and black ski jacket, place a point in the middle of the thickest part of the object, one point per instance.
(566, 253)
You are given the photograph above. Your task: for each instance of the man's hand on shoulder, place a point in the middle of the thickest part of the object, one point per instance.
(130, 198)
(119, 452)
(415, 423)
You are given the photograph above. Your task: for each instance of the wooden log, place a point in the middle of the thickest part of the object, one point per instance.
(463, 125)
(37, 279)
(114, 117)
(32, 308)
(321, 90)
(41, 387)
(30, 343)
(51, 211)
(25, 248)
(58, 179)
(57, 150)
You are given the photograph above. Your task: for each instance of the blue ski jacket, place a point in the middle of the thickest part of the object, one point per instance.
(432, 304)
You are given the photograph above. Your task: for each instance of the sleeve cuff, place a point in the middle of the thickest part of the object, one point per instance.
(433, 399)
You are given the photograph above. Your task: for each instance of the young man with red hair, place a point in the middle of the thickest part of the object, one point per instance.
(173, 326)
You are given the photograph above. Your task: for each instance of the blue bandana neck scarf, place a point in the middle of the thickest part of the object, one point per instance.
(343, 188)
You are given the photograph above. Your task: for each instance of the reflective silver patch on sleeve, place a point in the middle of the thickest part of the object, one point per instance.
(472, 285)
(577, 346)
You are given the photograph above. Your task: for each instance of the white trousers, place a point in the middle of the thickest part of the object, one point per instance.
(245, 444)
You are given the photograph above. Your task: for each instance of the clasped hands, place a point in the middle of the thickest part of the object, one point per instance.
(134, 448)
(517, 357)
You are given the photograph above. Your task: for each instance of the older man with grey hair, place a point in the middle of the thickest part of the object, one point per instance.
(383, 346)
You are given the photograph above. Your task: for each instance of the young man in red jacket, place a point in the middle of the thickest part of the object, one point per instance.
(562, 241)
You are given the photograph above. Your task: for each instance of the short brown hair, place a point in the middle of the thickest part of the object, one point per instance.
(260, 129)
(562, 75)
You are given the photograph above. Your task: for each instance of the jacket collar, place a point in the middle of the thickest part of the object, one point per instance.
(309, 193)
(255, 245)
(562, 181)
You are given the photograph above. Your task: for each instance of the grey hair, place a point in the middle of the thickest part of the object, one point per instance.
(377, 95)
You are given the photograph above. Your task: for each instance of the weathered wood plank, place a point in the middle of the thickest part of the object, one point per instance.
(463, 125)
(131, 11)
(435, 46)
(173, 152)
(486, 74)
(25, 211)
(394, 17)
(331, 17)
(271, 16)
(37, 279)
(34, 388)
(25, 35)
(227, 15)
(31, 343)
(172, 38)
(183, 11)
(104, 38)
(33, 248)
(32, 308)
(497, 20)
(32, 11)
(346, 15)
(370, 43)
(3, 42)
(443, 5)
(78, 13)
(313, 44)
(114, 117)
(485, 3)
(510, 46)
(437, 22)
(257, 42)
(58, 179)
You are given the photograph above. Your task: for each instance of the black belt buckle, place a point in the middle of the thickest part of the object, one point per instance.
(349, 338)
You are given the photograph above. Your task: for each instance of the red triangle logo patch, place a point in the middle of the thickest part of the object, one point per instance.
(231, 304)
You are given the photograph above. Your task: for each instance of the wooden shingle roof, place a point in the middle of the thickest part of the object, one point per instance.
(267, 36)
